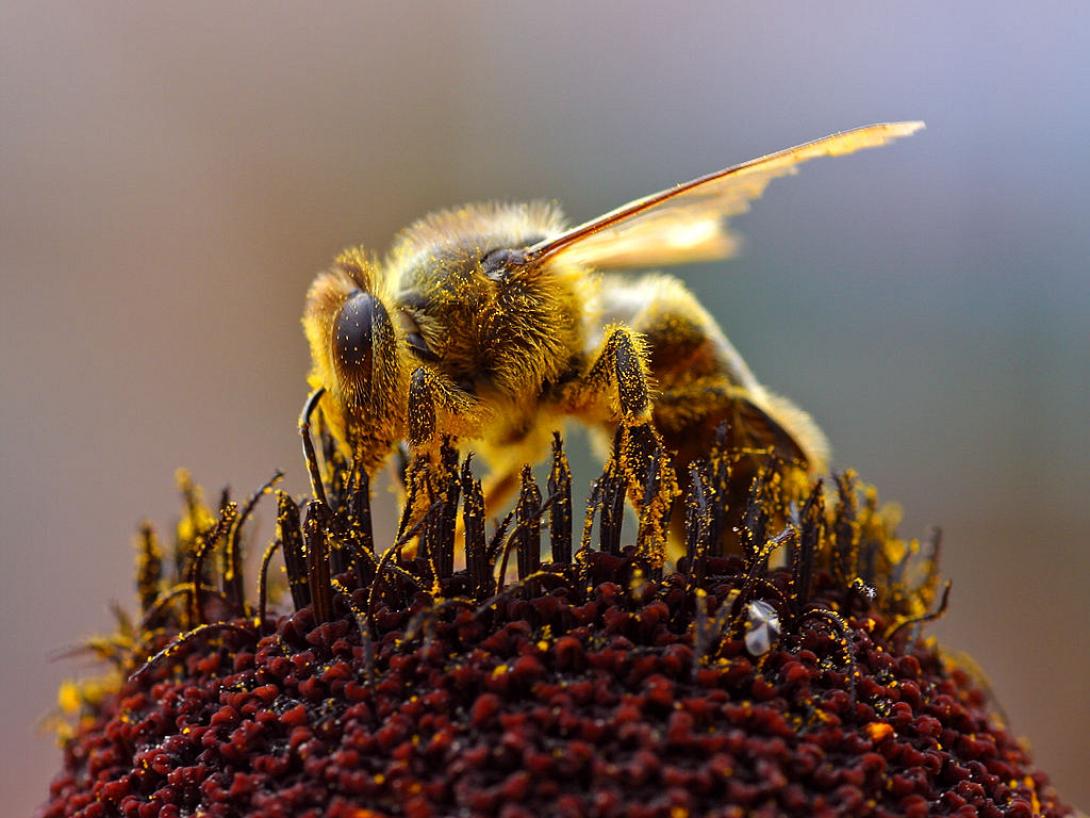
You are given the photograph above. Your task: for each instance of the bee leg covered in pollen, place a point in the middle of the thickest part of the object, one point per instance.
(615, 391)
(619, 373)
(421, 409)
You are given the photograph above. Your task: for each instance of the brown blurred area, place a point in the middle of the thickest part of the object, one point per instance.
(171, 176)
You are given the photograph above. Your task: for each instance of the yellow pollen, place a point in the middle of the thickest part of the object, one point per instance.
(68, 697)
(878, 730)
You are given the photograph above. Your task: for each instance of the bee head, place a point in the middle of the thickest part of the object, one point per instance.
(357, 356)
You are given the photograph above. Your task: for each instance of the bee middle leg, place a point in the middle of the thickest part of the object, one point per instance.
(438, 411)
(703, 385)
(615, 384)
(614, 391)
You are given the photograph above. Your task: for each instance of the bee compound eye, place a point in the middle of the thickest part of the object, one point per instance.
(353, 336)
(496, 263)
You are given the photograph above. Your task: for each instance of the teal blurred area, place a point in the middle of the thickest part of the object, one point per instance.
(171, 177)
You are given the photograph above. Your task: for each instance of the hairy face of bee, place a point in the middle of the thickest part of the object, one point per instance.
(359, 355)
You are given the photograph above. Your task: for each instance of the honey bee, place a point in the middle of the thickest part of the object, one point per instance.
(492, 324)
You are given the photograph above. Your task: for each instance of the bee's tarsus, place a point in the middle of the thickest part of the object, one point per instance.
(359, 518)
(421, 408)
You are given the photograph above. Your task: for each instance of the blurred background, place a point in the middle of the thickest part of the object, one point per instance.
(171, 177)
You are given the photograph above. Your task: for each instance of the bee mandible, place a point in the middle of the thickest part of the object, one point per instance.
(493, 324)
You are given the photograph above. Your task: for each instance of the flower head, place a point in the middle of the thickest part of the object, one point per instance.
(466, 672)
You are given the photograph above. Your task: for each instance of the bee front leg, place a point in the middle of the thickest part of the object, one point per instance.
(439, 409)
(428, 415)
(422, 400)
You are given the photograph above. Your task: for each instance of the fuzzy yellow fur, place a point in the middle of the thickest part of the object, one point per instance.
(512, 355)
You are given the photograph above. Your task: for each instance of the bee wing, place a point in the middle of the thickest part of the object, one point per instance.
(687, 222)
(756, 428)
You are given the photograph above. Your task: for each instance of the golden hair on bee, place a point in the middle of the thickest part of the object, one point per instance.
(493, 324)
